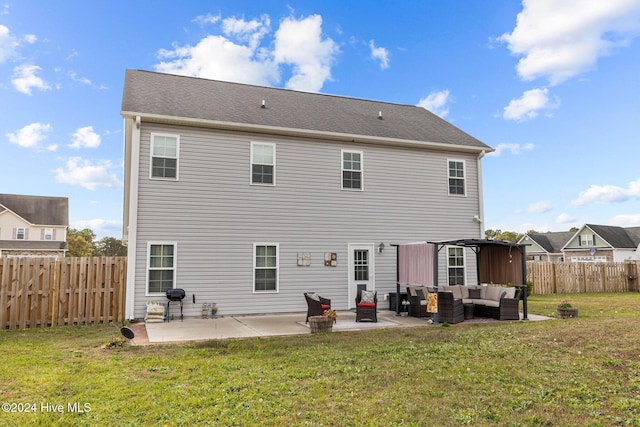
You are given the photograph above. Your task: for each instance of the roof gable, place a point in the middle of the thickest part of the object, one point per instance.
(552, 242)
(38, 210)
(613, 236)
(164, 96)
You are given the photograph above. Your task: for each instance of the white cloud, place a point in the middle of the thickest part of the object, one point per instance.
(8, 44)
(247, 31)
(565, 218)
(299, 43)
(242, 55)
(381, 54)
(217, 57)
(30, 38)
(436, 102)
(514, 149)
(529, 105)
(87, 174)
(537, 207)
(101, 227)
(25, 79)
(607, 194)
(558, 40)
(30, 136)
(74, 76)
(85, 138)
(631, 220)
(203, 20)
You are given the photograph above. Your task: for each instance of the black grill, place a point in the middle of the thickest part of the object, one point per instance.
(175, 295)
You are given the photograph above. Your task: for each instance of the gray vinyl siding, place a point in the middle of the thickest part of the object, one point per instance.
(215, 215)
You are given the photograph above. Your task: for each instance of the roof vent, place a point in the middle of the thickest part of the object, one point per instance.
(264, 104)
(380, 115)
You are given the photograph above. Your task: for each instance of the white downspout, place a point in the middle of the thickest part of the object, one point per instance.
(133, 220)
(480, 195)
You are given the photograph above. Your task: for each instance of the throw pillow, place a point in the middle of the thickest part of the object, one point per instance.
(314, 297)
(367, 296)
(474, 293)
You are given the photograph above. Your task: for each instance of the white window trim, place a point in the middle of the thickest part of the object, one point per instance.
(253, 270)
(342, 169)
(464, 263)
(253, 143)
(49, 233)
(148, 267)
(151, 156)
(24, 233)
(464, 178)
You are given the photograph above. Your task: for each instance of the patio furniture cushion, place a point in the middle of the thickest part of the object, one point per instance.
(510, 293)
(474, 293)
(367, 297)
(493, 293)
(366, 304)
(313, 296)
(326, 306)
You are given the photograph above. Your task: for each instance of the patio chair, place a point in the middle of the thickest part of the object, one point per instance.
(366, 306)
(450, 310)
(316, 305)
(417, 301)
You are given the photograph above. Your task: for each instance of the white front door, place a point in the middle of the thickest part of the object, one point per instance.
(361, 270)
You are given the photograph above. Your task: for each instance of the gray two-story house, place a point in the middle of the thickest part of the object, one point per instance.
(249, 196)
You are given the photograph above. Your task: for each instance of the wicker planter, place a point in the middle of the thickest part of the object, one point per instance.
(567, 313)
(320, 324)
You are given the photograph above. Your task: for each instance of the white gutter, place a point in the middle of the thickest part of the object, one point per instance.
(132, 232)
(308, 133)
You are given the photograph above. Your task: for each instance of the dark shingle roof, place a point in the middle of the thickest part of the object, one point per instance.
(617, 237)
(165, 95)
(38, 210)
(552, 242)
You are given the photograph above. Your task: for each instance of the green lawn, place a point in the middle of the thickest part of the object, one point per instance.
(573, 372)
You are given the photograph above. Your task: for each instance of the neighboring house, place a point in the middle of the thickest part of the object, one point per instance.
(591, 243)
(603, 243)
(546, 247)
(249, 196)
(33, 225)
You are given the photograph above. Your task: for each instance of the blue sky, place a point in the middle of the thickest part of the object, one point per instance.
(553, 86)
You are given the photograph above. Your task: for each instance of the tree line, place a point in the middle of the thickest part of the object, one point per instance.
(84, 243)
(511, 236)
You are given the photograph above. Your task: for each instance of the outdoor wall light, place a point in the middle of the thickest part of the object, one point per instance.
(381, 247)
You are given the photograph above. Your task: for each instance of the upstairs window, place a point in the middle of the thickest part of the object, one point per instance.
(263, 163)
(21, 233)
(456, 178)
(48, 234)
(352, 170)
(586, 240)
(164, 156)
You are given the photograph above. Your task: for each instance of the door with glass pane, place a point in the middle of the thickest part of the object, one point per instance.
(361, 270)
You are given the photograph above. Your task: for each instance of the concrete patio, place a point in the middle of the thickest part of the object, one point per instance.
(265, 325)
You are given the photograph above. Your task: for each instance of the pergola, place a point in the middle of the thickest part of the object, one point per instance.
(497, 261)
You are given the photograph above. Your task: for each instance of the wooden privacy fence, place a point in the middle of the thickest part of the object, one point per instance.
(566, 277)
(39, 292)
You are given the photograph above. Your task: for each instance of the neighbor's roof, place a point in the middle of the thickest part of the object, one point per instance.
(38, 210)
(552, 242)
(617, 237)
(157, 96)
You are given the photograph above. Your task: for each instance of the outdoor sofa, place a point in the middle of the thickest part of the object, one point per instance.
(497, 302)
